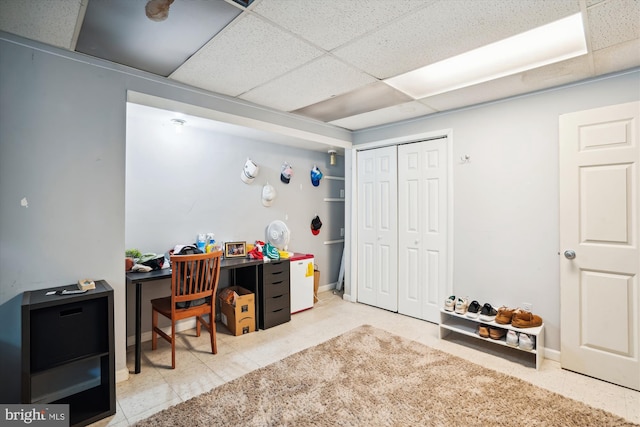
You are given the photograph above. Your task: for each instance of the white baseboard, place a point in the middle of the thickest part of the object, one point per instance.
(552, 354)
(122, 375)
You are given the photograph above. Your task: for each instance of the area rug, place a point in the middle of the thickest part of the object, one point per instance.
(369, 377)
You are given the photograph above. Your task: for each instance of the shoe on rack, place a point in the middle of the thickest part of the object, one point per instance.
(525, 319)
(450, 303)
(526, 342)
(483, 330)
(497, 333)
(504, 315)
(473, 309)
(512, 338)
(488, 313)
(461, 305)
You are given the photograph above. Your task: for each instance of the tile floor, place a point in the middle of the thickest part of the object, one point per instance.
(158, 387)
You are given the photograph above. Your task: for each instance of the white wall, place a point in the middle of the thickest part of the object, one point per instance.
(505, 219)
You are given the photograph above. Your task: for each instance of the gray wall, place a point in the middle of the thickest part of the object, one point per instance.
(505, 219)
(181, 184)
(62, 149)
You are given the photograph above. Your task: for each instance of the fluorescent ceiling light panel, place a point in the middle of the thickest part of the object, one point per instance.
(554, 42)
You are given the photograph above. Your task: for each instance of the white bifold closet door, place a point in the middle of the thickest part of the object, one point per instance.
(377, 228)
(422, 228)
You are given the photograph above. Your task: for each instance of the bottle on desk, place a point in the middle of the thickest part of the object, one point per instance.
(201, 242)
(211, 243)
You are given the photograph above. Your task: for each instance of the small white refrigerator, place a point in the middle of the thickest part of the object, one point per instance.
(301, 282)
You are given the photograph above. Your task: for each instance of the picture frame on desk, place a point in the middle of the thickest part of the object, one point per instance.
(235, 249)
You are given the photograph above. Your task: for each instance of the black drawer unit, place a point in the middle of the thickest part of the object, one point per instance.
(68, 351)
(273, 296)
(273, 279)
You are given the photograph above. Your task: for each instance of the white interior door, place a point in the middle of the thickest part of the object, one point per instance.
(422, 228)
(377, 228)
(599, 195)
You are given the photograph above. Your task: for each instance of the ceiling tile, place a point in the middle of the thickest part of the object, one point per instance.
(614, 22)
(320, 79)
(248, 53)
(367, 98)
(407, 110)
(617, 58)
(448, 28)
(529, 81)
(52, 22)
(119, 31)
(311, 19)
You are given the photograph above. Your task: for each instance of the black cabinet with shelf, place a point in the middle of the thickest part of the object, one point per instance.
(68, 351)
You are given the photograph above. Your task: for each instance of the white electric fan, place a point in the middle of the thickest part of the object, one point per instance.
(278, 234)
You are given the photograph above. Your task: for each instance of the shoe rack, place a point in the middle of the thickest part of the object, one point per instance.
(451, 322)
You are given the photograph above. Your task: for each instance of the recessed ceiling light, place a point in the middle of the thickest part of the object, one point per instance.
(554, 42)
(178, 122)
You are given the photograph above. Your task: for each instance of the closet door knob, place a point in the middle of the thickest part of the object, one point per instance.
(569, 254)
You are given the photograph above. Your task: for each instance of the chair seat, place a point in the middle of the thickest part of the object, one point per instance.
(163, 306)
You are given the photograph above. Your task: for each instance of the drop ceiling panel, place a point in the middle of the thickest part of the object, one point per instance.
(346, 19)
(248, 53)
(537, 79)
(119, 31)
(395, 113)
(617, 58)
(614, 22)
(320, 79)
(52, 22)
(448, 28)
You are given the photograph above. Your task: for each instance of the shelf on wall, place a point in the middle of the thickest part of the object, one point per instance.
(333, 242)
(334, 199)
(337, 178)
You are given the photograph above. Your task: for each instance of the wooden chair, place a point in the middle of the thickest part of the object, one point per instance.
(193, 277)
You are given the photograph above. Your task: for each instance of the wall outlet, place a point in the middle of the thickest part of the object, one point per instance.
(526, 306)
(342, 232)
(342, 193)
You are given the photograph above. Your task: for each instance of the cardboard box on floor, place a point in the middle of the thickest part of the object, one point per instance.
(240, 319)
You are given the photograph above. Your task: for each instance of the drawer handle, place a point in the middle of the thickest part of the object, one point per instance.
(71, 312)
(277, 283)
(277, 272)
(275, 311)
(279, 296)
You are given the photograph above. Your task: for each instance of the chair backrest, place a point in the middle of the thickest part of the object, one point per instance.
(194, 276)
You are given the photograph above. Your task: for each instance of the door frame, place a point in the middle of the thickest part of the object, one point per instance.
(351, 210)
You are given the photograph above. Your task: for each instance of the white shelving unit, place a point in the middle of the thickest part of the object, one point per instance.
(461, 324)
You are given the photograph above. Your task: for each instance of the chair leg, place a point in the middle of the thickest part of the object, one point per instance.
(198, 320)
(212, 333)
(154, 325)
(173, 344)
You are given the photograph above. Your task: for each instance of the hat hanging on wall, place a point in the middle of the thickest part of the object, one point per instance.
(268, 194)
(316, 224)
(249, 171)
(286, 172)
(316, 176)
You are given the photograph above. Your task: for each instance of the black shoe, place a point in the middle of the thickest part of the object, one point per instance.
(488, 313)
(473, 309)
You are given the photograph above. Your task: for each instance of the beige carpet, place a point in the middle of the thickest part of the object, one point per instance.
(369, 377)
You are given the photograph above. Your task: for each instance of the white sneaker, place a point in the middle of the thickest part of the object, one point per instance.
(512, 338)
(526, 342)
(461, 305)
(450, 303)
